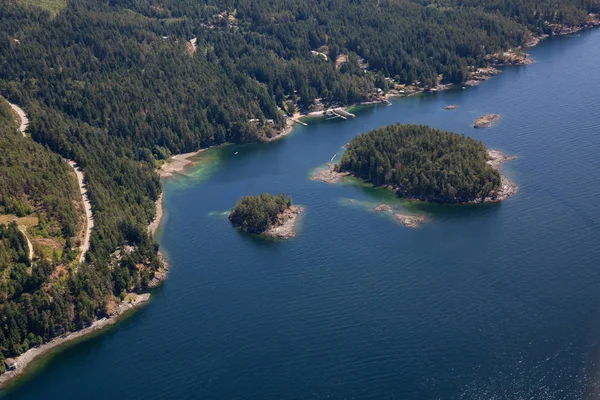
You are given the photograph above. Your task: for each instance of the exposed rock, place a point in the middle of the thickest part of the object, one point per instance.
(592, 20)
(329, 175)
(534, 40)
(285, 228)
(486, 121)
(507, 188)
(496, 158)
(161, 274)
(410, 221)
(382, 208)
(481, 75)
(510, 57)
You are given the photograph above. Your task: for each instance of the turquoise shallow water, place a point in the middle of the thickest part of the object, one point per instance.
(481, 302)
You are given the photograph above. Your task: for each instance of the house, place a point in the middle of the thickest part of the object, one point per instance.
(11, 364)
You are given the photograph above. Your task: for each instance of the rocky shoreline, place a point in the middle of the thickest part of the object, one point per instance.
(286, 226)
(328, 175)
(131, 302)
(592, 21)
(507, 187)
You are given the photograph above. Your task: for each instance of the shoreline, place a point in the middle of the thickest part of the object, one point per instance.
(158, 204)
(178, 163)
(507, 187)
(286, 226)
(132, 302)
(512, 57)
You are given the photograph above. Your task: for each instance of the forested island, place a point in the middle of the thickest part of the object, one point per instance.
(423, 163)
(267, 215)
(120, 86)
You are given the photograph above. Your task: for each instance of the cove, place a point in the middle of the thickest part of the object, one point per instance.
(499, 301)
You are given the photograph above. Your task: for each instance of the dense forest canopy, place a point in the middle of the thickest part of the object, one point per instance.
(34, 180)
(45, 298)
(422, 162)
(117, 87)
(255, 214)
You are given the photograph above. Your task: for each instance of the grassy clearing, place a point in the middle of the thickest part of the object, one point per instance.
(28, 221)
(52, 6)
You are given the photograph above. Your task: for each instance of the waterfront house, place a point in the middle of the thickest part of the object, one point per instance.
(11, 364)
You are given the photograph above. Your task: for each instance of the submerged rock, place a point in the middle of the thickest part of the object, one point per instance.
(410, 221)
(382, 207)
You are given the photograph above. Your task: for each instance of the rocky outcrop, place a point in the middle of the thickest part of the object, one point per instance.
(410, 221)
(481, 75)
(507, 188)
(285, 227)
(510, 57)
(328, 175)
(486, 121)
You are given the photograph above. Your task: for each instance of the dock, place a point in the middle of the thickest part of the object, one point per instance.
(339, 113)
(300, 122)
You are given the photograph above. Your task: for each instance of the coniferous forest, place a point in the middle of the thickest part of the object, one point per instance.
(255, 214)
(422, 162)
(117, 87)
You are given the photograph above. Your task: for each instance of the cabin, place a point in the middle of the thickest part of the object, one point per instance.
(11, 364)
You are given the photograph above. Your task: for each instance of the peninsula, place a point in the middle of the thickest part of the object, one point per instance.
(266, 215)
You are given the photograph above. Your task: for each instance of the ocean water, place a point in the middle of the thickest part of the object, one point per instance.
(497, 301)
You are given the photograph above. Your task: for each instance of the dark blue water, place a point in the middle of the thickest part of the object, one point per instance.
(481, 302)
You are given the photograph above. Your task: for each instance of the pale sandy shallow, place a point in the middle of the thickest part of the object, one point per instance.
(178, 163)
(175, 165)
(26, 358)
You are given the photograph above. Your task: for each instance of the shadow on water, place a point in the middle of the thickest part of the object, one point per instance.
(86, 345)
(380, 195)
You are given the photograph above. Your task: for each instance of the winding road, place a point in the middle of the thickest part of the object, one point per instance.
(23, 230)
(85, 245)
(24, 121)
